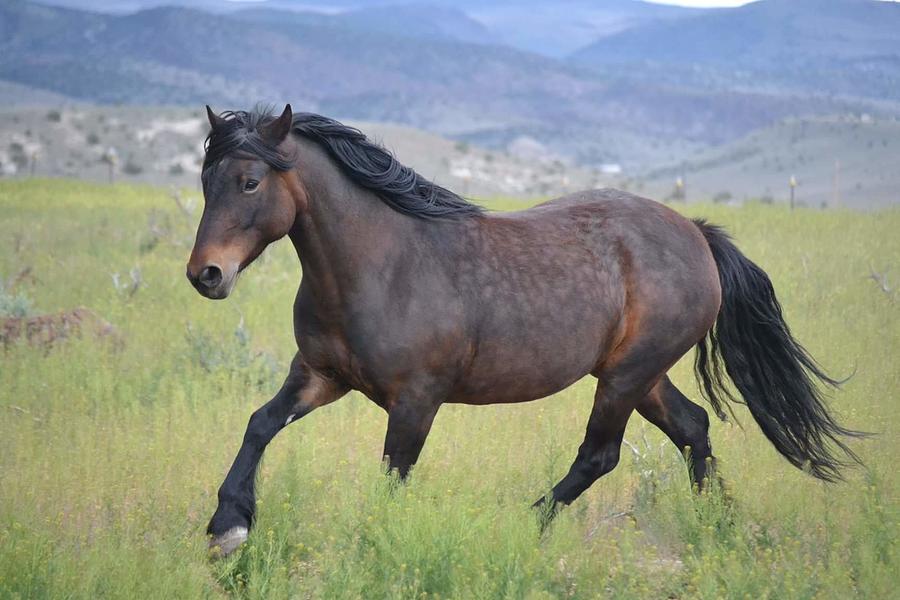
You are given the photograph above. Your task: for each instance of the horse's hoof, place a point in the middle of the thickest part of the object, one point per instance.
(223, 545)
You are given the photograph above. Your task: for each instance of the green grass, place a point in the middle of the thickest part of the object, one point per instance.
(111, 451)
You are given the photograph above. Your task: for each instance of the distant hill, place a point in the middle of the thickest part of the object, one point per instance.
(489, 95)
(426, 21)
(851, 162)
(560, 27)
(441, 68)
(847, 48)
(421, 21)
(164, 146)
(551, 28)
(14, 95)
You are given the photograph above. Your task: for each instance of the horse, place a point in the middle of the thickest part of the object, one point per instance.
(416, 297)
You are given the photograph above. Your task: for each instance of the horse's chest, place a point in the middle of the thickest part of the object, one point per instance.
(376, 353)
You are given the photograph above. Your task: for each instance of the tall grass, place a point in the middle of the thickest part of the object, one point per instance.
(111, 453)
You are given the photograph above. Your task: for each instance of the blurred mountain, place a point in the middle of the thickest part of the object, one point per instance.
(443, 68)
(423, 21)
(835, 161)
(164, 146)
(551, 28)
(561, 27)
(837, 47)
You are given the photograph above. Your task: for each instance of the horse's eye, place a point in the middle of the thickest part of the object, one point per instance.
(250, 185)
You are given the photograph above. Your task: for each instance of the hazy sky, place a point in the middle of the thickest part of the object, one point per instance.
(706, 3)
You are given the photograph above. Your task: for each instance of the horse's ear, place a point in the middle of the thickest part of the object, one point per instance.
(215, 121)
(279, 129)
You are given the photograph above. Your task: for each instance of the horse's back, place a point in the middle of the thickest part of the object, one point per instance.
(655, 238)
(608, 203)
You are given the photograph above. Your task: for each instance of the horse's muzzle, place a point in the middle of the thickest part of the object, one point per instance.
(212, 281)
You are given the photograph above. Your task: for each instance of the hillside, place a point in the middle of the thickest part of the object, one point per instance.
(860, 152)
(419, 21)
(550, 28)
(164, 146)
(847, 48)
(484, 94)
(561, 27)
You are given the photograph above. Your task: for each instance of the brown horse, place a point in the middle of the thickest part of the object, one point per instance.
(416, 297)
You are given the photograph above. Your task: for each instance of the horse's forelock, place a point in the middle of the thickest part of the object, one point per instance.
(239, 132)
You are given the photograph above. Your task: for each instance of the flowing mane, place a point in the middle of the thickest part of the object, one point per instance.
(362, 160)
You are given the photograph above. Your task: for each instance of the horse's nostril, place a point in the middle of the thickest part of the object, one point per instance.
(210, 276)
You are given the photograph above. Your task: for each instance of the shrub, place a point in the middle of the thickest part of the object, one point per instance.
(13, 304)
(233, 355)
(132, 168)
(722, 197)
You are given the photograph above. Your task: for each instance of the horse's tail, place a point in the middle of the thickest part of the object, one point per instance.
(773, 373)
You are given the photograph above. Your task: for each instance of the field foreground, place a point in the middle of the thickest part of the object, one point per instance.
(112, 444)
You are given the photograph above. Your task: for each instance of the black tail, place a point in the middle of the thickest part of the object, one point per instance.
(772, 371)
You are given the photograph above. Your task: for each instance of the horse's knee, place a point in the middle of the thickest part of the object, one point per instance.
(259, 429)
(601, 461)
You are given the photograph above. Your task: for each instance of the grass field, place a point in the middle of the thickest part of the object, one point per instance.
(111, 449)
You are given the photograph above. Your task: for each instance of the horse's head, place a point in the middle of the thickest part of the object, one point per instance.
(251, 197)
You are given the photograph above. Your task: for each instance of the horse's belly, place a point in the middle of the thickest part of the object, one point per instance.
(530, 360)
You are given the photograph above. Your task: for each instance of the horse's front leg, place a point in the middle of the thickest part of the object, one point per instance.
(409, 421)
(303, 391)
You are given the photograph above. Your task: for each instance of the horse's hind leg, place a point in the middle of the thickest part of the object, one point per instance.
(621, 385)
(686, 424)
(624, 379)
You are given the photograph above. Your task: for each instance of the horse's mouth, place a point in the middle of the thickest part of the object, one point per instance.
(214, 294)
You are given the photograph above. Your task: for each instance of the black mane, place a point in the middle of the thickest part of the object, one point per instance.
(365, 162)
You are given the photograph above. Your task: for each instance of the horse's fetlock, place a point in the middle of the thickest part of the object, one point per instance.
(228, 515)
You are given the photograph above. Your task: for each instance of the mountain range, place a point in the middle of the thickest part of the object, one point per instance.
(614, 81)
(849, 48)
(553, 28)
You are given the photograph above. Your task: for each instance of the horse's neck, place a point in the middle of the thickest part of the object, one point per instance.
(347, 234)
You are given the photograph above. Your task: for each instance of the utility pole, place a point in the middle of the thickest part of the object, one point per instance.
(111, 157)
(793, 184)
(836, 194)
(679, 189)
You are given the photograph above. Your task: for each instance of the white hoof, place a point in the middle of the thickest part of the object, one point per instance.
(228, 542)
